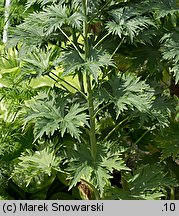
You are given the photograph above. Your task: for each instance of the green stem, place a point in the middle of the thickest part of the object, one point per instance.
(57, 82)
(172, 193)
(58, 78)
(106, 105)
(133, 145)
(76, 48)
(92, 118)
(101, 40)
(93, 142)
(117, 48)
(115, 128)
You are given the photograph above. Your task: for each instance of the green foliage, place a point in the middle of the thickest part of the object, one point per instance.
(128, 22)
(168, 142)
(131, 92)
(170, 52)
(24, 35)
(88, 98)
(29, 3)
(59, 15)
(72, 61)
(38, 63)
(48, 111)
(35, 170)
(164, 9)
(98, 173)
(9, 61)
(145, 183)
(10, 146)
(16, 15)
(3, 182)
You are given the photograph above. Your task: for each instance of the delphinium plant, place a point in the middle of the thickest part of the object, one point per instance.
(91, 88)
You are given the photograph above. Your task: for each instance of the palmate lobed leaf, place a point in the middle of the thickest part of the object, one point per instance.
(98, 59)
(97, 173)
(130, 92)
(72, 61)
(114, 162)
(38, 62)
(161, 110)
(170, 52)
(160, 9)
(36, 170)
(48, 113)
(42, 160)
(59, 15)
(109, 158)
(24, 32)
(72, 120)
(163, 9)
(100, 178)
(41, 26)
(82, 171)
(9, 61)
(53, 17)
(45, 126)
(127, 22)
(149, 177)
(147, 182)
(167, 12)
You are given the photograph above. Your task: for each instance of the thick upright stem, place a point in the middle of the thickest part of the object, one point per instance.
(89, 88)
(92, 118)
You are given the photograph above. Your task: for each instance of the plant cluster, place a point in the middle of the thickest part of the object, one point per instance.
(89, 100)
